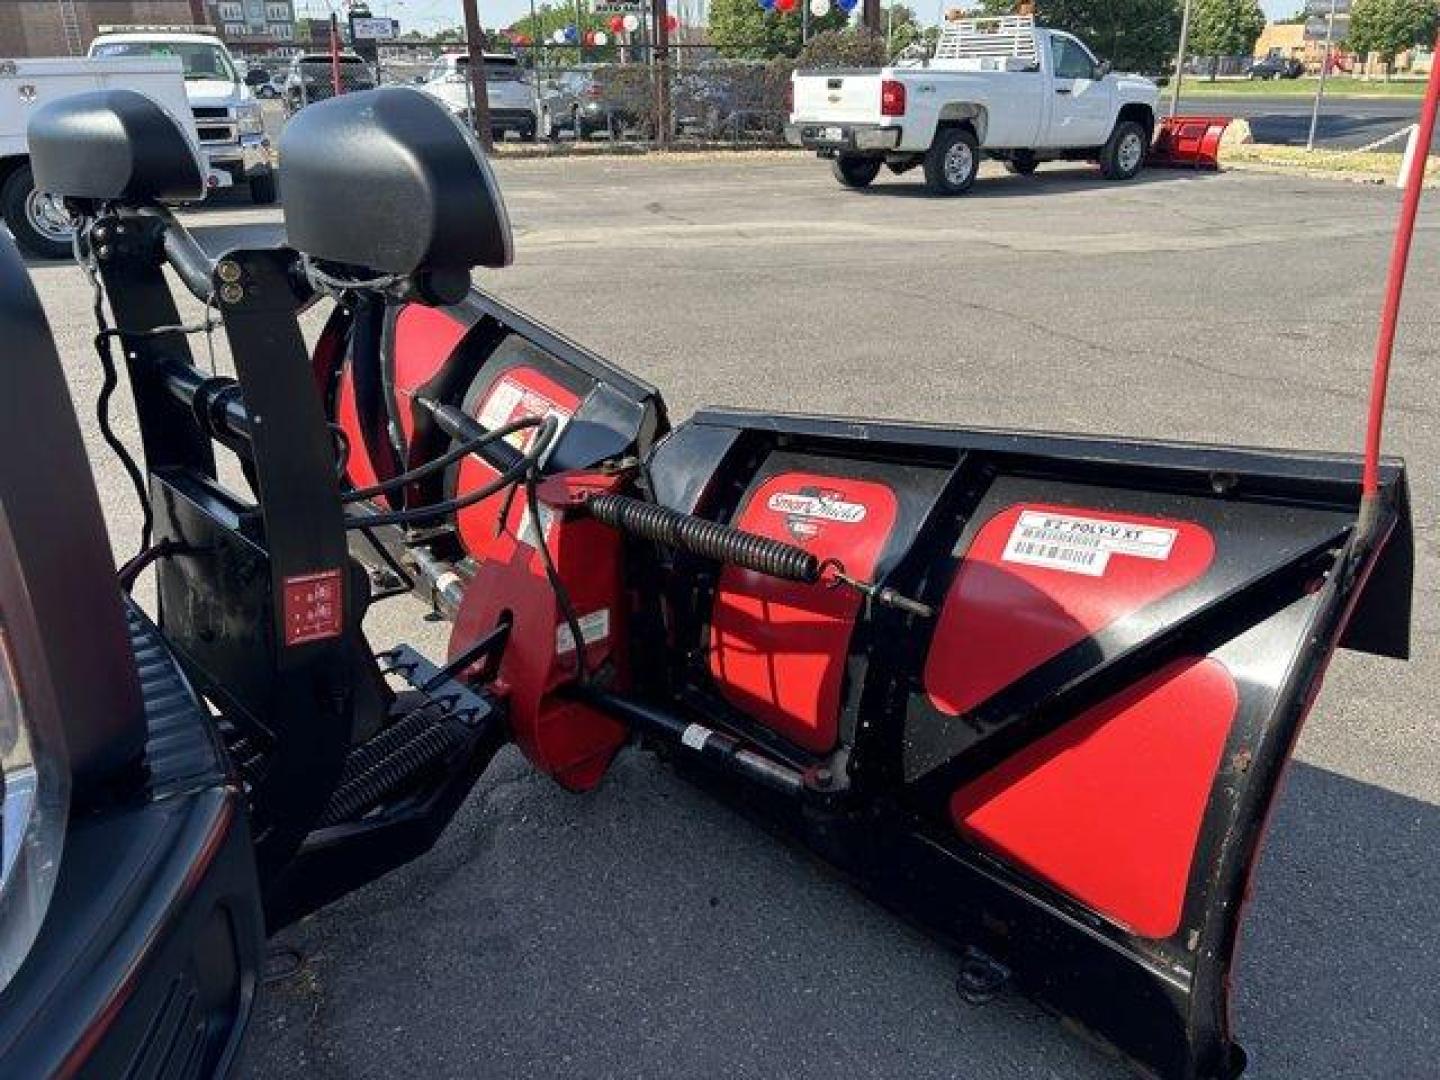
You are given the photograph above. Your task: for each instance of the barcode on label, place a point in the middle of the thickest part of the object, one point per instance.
(1056, 551)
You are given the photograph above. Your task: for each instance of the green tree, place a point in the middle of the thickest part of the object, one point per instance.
(1388, 27)
(1225, 28)
(742, 29)
(1134, 35)
(903, 28)
(843, 49)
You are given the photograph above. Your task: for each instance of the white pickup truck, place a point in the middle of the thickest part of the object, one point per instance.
(995, 87)
(228, 116)
(39, 223)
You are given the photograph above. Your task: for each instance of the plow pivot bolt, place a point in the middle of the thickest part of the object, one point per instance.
(103, 251)
(229, 271)
(232, 294)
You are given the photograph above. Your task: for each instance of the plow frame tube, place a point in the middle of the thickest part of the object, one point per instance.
(1166, 1013)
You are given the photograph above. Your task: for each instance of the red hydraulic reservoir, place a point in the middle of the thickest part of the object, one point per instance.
(778, 648)
(568, 740)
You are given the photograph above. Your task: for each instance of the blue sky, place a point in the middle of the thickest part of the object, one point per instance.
(426, 15)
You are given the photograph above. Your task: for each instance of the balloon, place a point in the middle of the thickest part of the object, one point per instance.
(571, 34)
(672, 23)
(600, 38)
(819, 8)
(589, 37)
(523, 40)
(617, 24)
(768, 5)
(631, 23)
(558, 37)
(784, 6)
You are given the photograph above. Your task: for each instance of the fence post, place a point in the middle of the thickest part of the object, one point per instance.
(334, 55)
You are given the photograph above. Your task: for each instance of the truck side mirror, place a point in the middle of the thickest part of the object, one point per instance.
(1103, 68)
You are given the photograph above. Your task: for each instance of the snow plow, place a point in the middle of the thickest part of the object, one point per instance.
(1034, 691)
(1188, 142)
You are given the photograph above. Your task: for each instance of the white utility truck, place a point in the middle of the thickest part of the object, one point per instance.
(227, 114)
(995, 87)
(39, 223)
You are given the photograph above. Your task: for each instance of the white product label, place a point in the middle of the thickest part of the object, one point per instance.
(510, 400)
(1082, 545)
(593, 627)
(526, 533)
(695, 736)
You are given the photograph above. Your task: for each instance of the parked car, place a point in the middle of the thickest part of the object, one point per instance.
(1276, 67)
(572, 101)
(1000, 88)
(312, 77)
(509, 92)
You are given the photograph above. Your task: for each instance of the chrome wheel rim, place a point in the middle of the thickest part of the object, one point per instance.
(1131, 151)
(959, 161)
(47, 216)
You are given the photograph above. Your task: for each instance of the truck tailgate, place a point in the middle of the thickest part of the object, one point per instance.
(843, 96)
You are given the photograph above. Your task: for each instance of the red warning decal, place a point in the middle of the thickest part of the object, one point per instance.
(1038, 579)
(778, 648)
(518, 393)
(1108, 807)
(314, 607)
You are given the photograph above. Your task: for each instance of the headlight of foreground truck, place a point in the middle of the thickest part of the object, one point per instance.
(252, 120)
(34, 806)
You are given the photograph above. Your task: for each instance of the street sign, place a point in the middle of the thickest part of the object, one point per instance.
(619, 7)
(373, 29)
(1321, 8)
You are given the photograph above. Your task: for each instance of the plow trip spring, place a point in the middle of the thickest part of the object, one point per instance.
(1034, 691)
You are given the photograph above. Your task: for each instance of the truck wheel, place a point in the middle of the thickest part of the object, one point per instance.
(1122, 157)
(262, 187)
(855, 172)
(39, 223)
(952, 161)
(1022, 163)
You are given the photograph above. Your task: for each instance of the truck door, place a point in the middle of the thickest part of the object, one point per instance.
(1083, 105)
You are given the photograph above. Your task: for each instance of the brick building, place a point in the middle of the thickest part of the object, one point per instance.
(66, 27)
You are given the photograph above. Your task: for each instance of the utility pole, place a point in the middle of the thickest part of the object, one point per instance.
(479, 96)
(1180, 58)
(870, 16)
(659, 19)
(1324, 73)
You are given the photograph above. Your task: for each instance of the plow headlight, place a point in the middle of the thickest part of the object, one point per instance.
(34, 806)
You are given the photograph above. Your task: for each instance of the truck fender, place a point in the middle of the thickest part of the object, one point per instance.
(965, 112)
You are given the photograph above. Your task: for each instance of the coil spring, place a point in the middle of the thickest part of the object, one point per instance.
(708, 539)
(369, 754)
(390, 774)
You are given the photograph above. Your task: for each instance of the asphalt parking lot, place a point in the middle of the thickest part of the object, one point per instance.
(645, 931)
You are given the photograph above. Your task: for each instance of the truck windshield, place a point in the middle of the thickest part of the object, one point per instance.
(200, 61)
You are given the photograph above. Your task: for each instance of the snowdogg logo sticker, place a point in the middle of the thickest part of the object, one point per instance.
(808, 509)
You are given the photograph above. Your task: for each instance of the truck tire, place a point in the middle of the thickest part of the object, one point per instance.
(952, 161)
(32, 220)
(262, 187)
(1022, 163)
(855, 172)
(1123, 155)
